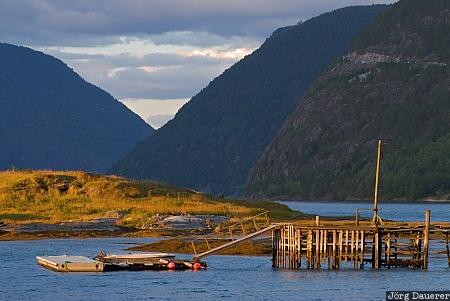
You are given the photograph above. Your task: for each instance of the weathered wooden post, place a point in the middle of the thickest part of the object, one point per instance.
(309, 244)
(388, 250)
(363, 245)
(448, 249)
(276, 252)
(317, 220)
(426, 239)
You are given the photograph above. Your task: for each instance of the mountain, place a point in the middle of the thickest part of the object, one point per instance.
(50, 118)
(215, 139)
(393, 85)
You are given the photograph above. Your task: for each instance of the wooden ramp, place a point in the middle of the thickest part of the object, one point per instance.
(233, 243)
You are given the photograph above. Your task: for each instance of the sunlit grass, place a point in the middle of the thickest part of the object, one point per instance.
(56, 196)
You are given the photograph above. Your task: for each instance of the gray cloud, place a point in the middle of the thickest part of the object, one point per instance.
(82, 22)
(154, 76)
(152, 49)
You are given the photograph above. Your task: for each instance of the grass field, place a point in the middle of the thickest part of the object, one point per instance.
(56, 196)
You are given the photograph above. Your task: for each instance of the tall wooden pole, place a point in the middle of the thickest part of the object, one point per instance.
(376, 237)
(377, 177)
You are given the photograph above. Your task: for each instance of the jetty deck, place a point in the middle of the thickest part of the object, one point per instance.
(339, 245)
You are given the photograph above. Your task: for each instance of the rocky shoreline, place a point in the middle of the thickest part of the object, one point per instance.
(159, 226)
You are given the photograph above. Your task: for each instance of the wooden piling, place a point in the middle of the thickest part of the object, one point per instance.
(341, 237)
(346, 245)
(352, 244)
(274, 248)
(299, 248)
(324, 250)
(426, 237)
(447, 248)
(388, 251)
(334, 249)
(396, 253)
(309, 249)
(356, 258)
(363, 242)
(376, 248)
(317, 255)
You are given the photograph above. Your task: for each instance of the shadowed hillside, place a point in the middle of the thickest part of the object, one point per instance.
(51, 118)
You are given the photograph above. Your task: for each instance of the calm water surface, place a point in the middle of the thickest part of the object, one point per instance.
(227, 277)
(392, 211)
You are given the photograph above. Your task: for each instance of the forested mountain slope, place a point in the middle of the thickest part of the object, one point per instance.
(393, 85)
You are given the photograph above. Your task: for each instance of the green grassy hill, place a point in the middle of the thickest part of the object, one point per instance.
(56, 196)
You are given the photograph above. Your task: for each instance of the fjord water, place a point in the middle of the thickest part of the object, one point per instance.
(227, 277)
(391, 211)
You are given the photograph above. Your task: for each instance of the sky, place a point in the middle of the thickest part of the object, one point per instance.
(153, 55)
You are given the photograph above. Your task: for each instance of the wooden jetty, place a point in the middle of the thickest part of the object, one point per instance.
(339, 245)
(67, 263)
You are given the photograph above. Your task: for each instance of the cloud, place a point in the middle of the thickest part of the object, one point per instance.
(152, 76)
(152, 49)
(101, 22)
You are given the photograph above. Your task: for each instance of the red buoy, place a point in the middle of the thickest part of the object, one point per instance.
(197, 266)
(171, 265)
